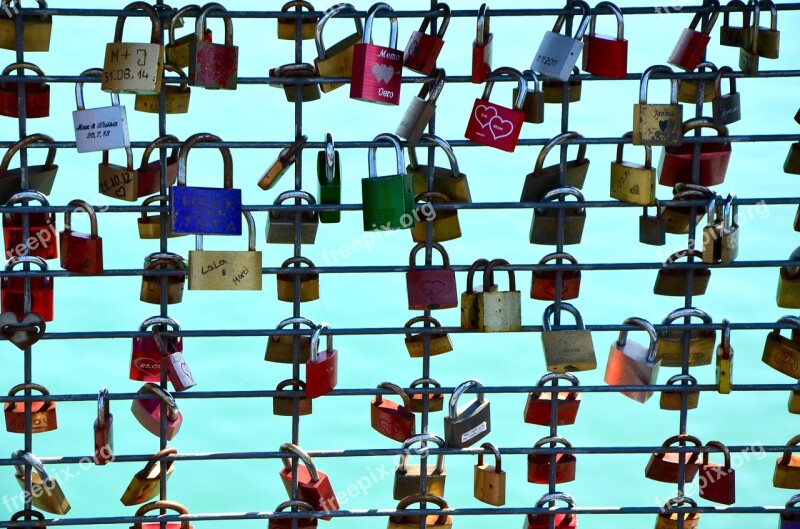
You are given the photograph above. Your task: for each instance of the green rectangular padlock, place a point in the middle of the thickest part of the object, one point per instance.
(330, 182)
(388, 201)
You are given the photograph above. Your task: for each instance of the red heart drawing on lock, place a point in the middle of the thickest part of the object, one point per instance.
(432, 288)
(389, 429)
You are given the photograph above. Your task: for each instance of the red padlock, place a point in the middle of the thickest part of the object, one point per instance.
(173, 363)
(543, 283)
(717, 483)
(432, 288)
(691, 45)
(663, 465)
(603, 55)
(162, 504)
(103, 430)
(377, 70)
(145, 354)
(43, 414)
(313, 487)
(286, 523)
(482, 48)
(148, 411)
(423, 49)
(37, 95)
(676, 162)
(13, 290)
(213, 66)
(494, 125)
(539, 464)
(539, 405)
(393, 420)
(41, 241)
(150, 172)
(81, 253)
(560, 521)
(322, 368)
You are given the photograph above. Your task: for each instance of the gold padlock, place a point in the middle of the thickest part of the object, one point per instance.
(433, 521)
(794, 401)
(490, 480)
(407, 478)
(671, 400)
(177, 51)
(546, 221)
(435, 400)
(439, 341)
(36, 28)
(672, 281)
(657, 124)
(52, 498)
(336, 61)
(788, 295)
(724, 374)
(150, 226)
(146, 484)
(499, 310)
(768, 39)
(444, 223)
(781, 353)
(176, 97)
(533, 106)
(118, 181)
(286, 25)
(676, 218)
(687, 88)
(667, 520)
(553, 89)
(285, 405)
(469, 298)
(134, 68)
(567, 349)
(308, 91)
(281, 348)
(633, 183)
(309, 281)
(151, 284)
(451, 182)
(787, 468)
(701, 342)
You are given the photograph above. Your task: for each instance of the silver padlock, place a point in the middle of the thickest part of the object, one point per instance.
(567, 349)
(632, 364)
(557, 54)
(99, 129)
(280, 224)
(421, 110)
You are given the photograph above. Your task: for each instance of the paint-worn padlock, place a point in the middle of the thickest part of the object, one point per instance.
(631, 182)
(36, 28)
(603, 55)
(433, 521)
(543, 282)
(176, 98)
(213, 66)
(228, 269)
(657, 124)
(717, 482)
(787, 468)
(51, 498)
(377, 70)
(309, 281)
(701, 342)
(177, 50)
(103, 430)
(148, 411)
(676, 162)
(567, 349)
(280, 222)
(308, 91)
(423, 49)
(482, 47)
(533, 107)
(735, 36)
(781, 353)
(336, 61)
(726, 108)
(669, 520)
(653, 229)
(544, 225)
(435, 400)
(281, 348)
(663, 465)
(768, 39)
(407, 478)
(99, 129)
(81, 253)
(559, 521)
(469, 298)
(415, 343)
(539, 464)
(390, 419)
(43, 413)
(40, 177)
(37, 95)
(41, 241)
(289, 523)
(12, 298)
(554, 89)
(494, 125)
(150, 225)
(145, 353)
(632, 364)
(544, 179)
(160, 505)
(329, 178)
(466, 426)
(691, 45)
(149, 173)
(688, 88)
(134, 68)
(498, 310)
(432, 288)
(313, 486)
(788, 295)
(282, 163)
(146, 484)
(322, 368)
(287, 25)
(676, 218)
(445, 225)
(490, 480)
(421, 109)
(672, 281)
(388, 201)
(724, 375)
(557, 54)
(118, 181)
(451, 182)
(285, 405)
(173, 363)
(538, 407)
(671, 400)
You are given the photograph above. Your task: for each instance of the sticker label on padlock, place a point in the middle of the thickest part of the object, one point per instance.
(471, 434)
(101, 129)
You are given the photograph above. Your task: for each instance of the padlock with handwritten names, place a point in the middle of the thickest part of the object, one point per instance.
(228, 269)
(99, 129)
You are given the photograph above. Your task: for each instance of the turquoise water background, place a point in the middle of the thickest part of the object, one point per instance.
(359, 300)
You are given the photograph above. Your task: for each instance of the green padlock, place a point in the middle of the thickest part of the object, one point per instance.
(388, 201)
(330, 182)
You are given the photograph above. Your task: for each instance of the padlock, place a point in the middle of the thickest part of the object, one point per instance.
(390, 419)
(490, 480)
(146, 484)
(781, 353)
(469, 298)
(43, 413)
(118, 181)
(657, 124)
(633, 183)
(280, 348)
(451, 182)
(724, 374)
(281, 222)
(322, 368)
(653, 230)
(41, 229)
(336, 61)
(539, 464)
(176, 97)
(567, 349)
(99, 129)
(285, 405)
(309, 281)
(81, 253)
(177, 50)
(149, 173)
(498, 310)
(228, 269)
(213, 66)
(688, 88)
(727, 108)
(433, 521)
(482, 47)
(788, 295)
(672, 281)
(205, 210)
(748, 52)
(286, 25)
(432, 288)
(388, 201)
(557, 54)
(632, 364)
(36, 29)
(545, 179)
(41, 290)
(539, 406)
(282, 163)
(40, 177)
(377, 70)
(407, 478)
(671, 400)
(701, 342)
(415, 343)
(544, 226)
(676, 162)
(667, 520)
(150, 226)
(735, 36)
(559, 521)
(787, 468)
(663, 465)
(768, 39)
(329, 178)
(145, 354)
(729, 235)
(134, 68)
(603, 55)
(421, 109)
(676, 218)
(308, 91)
(533, 106)
(554, 89)
(466, 426)
(287, 523)
(713, 231)
(794, 402)
(445, 225)
(494, 125)
(37, 95)
(423, 49)
(173, 363)
(717, 482)
(792, 163)
(162, 504)
(29, 513)
(50, 498)
(543, 282)
(691, 45)
(148, 411)
(103, 430)
(788, 520)
(313, 486)
(435, 400)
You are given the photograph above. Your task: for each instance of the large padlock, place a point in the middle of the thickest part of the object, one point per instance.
(286, 158)
(118, 181)
(688, 88)
(544, 179)
(37, 95)
(543, 282)
(307, 91)
(313, 486)
(134, 67)
(322, 368)
(444, 223)
(653, 229)
(36, 28)
(672, 281)
(663, 465)
(631, 363)
(205, 210)
(228, 269)
(717, 482)
(676, 162)
(213, 66)
(423, 49)
(432, 521)
(692, 44)
(161, 505)
(81, 253)
(494, 125)
(148, 411)
(631, 182)
(567, 349)
(177, 50)
(280, 348)
(724, 374)
(790, 520)
(421, 109)
(146, 484)
(556, 521)
(469, 298)
(735, 36)
(677, 218)
(12, 298)
(173, 362)
(289, 523)
(726, 108)
(482, 47)
(489, 482)
(336, 61)
(539, 406)
(669, 520)
(149, 226)
(768, 39)
(43, 413)
(41, 240)
(498, 310)
(788, 295)
(329, 178)
(99, 129)
(287, 25)
(657, 124)
(554, 90)
(390, 419)
(671, 400)
(435, 400)
(407, 478)
(145, 354)
(787, 468)
(51, 497)
(781, 353)
(284, 405)
(539, 464)
(466, 426)
(281, 222)
(557, 54)
(451, 182)
(701, 342)
(439, 342)
(103, 430)
(309, 281)
(40, 177)
(603, 55)
(377, 70)
(388, 201)
(533, 106)
(544, 225)
(432, 288)
(176, 97)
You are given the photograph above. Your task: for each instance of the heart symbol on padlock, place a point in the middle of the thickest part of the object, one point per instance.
(389, 428)
(432, 288)
(22, 332)
(500, 128)
(412, 49)
(382, 72)
(663, 124)
(484, 115)
(635, 190)
(120, 192)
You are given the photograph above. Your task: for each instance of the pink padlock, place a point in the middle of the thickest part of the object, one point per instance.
(173, 363)
(145, 354)
(148, 411)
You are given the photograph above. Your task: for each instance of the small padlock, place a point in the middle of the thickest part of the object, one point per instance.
(788, 295)
(40, 177)
(498, 310)
(482, 47)
(150, 226)
(36, 28)
(668, 520)
(466, 426)
(176, 99)
(445, 225)
(280, 348)
(421, 109)
(657, 124)
(322, 368)
(538, 407)
(435, 400)
(149, 173)
(286, 25)
(146, 484)
(177, 50)
(748, 54)
(432, 288)
(539, 464)
(701, 342)
(663, 465)
(12, 298)
(735, 36)
(415, 343)
(787, 468)
(302, 71)
(289, 523)
(213, 66)
(633, 183)
(677, 218)
(790, 520)
(781, 353)
(671, 400)
(543, 282)
(313, 486)
(717, 482)
(729, 235)
(162, 505)
(792, 163)
(280, 222)
(494, 125)
(603, 55)
(81, 253)
(282, 163)
(676, 162)
(148, 411)
(134, 68)
(632, 364)
(390, 419)
(145, 354)
(691, 45)
(556, 521)
(544, 225)
(173, 363)
(653, 230)
(557, 54)
(533, 106)
(672, 281)
(544, 179)
(407, 478)
(336, 61)
(377, 70)
(451, 182)
(329, 179)
(103, 430)
(567, 349)
(768, 39)
(43, 413)
(41, 240)
(118, 181)
(151, 284)
(726, 108)
(712, 232)
(554, 89)
(37, 95)
(285, 405)
(469, 298)
(388, 201)
(433, 521)
(724, 375)
(688, 88)
(490, 480)
(423, 49)
(50, 498)
(309, 281)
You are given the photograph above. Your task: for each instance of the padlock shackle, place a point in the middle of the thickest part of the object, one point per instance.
(673, 97)
(557, 496)
(681, 187)
(398, 149)
(167, 138)
(683, 253)
(706, 65)
(156, 459)
(550, 310)
(687, 312)
(552, 439)
(614, 11)
(302, 195)
(794, 320)
(296, 383)
(103, 407)
(251, 230)
(554, 377)
(297, 261)
(678, 501)
(23, 66)
(464, 386)
(191, 9)
(714, 4)
(722, 448)
(301, 454)
(394, 388)
(168, 259)
(477, 265)
(557, 255)
(419, 438)
(200, 22)
(558, 140)
(711, 210)
(437, 83)
(294, 503)
(773, 18)
(652, 350)
(327, 15)
(421, 319)
(703, 122)
(648, 152)
(315, 336)
(20, 196)
(172, 407)
(725, 341)
(29, 513)
(446, 147)
(129, 158)
(585, 10)
(522, 84)
(488, 275)
(29, 259)
(330, 159)
(24, 142)
(794, 500)
(736, 5)
(150, 200)
(366, 38)
(498, 464)
(440, 10)
(686, 438)
(563, 191)
(435, 246)
(184, 86)
(288, 154)
(31, 386)
(428, 498)
(529, 76)
(429, 196)
(427, 381)
(155, 32)
(482, 34)
(191, 141)
(31, 460)
(79, 205)
(162, 504)
(682, 377)
(161, 321)
(787, 455)
(298, 320)
(162, 347)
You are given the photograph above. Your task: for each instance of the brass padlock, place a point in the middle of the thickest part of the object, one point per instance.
(544, 179)
(671, 400)
(544, 226)
(281, 348)
(439, 341)
(633, 183)
(567, 349)
(727, 244)
(302, 71)
(452, 182)
(701, 342)
(433, 521)
(533, 106)
(285, 405)
(118, 181)
(787, 468)
(309, 281)
(768, 39)
(499, 310)
(435, 400)
(177, 50)
(469, 298)
(788, 295)
(445, 226)
(672, 281)
(712, 232)
(281, 165)
(490, 480)
(36, 28)
(632, 364)
(134, 68)
(724, 375)
(407, 478)
(687, 88)
(286, 25)
(150, 226)
(336, 61)
(657, 124)
(553, 89)
(667, 520)
(51, 498)
(781, 353)
(794, 401)
(176, 97)
(146, 484)
(151, 284)
(676, 218)
(43, 416)
(228, 269)
(735, 36)
(280, 222)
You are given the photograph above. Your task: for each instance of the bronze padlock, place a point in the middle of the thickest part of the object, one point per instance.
(672, 281)
(663, 465)
(701, 342)
(285, 405)
(281, 348)
(787, 468)
(676, 218)
(435, 400)
(309, 281)
(444, 223)
(788, 295)
(439, 341)
(671, 400)
(151, 284)
(781, 353)
(544, 227)
(407, 478)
